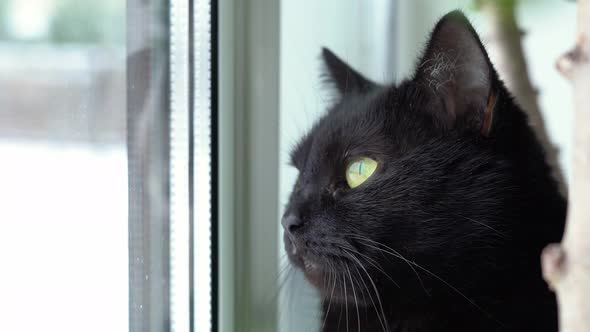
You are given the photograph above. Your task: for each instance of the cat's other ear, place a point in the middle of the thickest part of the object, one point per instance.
(457, 73)
(344, 78)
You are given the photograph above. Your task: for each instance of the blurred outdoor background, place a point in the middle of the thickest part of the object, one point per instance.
(63, 168)
(64, 240)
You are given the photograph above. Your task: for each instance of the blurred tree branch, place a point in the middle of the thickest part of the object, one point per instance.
(566, 266)
(505, 43)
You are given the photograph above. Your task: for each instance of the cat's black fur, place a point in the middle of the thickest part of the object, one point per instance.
(462, 192)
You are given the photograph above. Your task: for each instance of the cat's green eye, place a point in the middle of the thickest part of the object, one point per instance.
(359, 170)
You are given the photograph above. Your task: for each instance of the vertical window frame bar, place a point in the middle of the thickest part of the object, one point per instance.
(148, 164)
(181, 161)
(204, 124)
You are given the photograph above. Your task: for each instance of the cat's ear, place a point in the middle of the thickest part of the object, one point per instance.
(344, 78)
(458, 75)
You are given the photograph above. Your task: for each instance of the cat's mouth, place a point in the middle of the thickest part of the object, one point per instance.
(311, 267)
(326, 281)
(323, 271)
(304, 261)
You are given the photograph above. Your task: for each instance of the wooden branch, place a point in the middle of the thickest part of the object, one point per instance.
(566, 266)
(504, 44)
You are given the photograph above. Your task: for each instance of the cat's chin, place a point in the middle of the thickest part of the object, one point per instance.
(325, 282)
(313, 273)
(314, 269)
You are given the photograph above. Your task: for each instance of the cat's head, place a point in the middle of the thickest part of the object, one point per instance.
(413, 185)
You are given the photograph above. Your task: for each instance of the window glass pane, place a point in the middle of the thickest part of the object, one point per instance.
(63, 221)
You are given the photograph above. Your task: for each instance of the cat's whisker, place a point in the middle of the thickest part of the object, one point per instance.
(333, 280)
(373, 284)
(370, 297)
(370, 261)
(356, 279)
(350, 248)
(397, 254)
(345, 301)
(456, 290)
(339, 318)
(358, 316)
(285, 269)
(284, 274)
(501, 234)
(287, 297)
(281, 279)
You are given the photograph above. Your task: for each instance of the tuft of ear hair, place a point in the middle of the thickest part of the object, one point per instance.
(346, 79)
(458, 75)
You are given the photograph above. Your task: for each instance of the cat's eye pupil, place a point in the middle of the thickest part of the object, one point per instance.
(359, 170)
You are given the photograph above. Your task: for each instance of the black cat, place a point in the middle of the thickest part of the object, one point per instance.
(424, 206)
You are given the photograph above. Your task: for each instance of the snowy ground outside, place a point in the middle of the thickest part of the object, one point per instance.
(63, 237)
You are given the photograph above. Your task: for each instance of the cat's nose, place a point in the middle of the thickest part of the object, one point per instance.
(291, 223)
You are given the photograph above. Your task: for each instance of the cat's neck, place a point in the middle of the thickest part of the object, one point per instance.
(515, 309)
